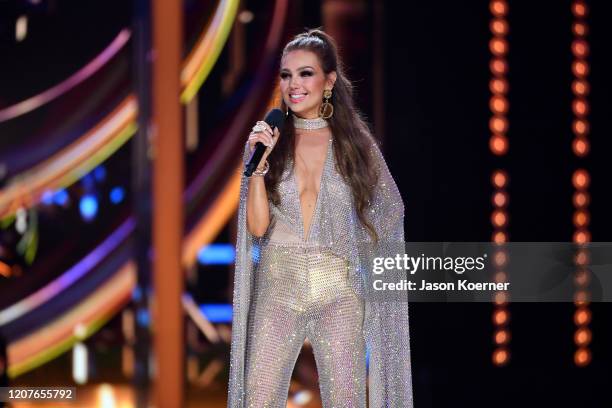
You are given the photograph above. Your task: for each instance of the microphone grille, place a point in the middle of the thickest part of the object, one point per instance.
(275, 118)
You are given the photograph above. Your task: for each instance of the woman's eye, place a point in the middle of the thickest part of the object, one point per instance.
(284, 75)
(306, 73)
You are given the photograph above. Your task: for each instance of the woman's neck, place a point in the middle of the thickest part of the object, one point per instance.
(309, 124)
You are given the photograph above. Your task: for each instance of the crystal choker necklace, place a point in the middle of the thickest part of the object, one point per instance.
(309, 124)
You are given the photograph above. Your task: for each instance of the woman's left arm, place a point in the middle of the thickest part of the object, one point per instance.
(388, 320)
(387, 205)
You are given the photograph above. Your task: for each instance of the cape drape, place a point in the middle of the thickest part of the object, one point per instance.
(386, 326)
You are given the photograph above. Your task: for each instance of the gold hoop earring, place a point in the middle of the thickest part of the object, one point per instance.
(326, 110)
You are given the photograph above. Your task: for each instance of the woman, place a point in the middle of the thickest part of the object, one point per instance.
(321, 190)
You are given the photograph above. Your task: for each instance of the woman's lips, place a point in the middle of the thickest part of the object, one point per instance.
(297, 98)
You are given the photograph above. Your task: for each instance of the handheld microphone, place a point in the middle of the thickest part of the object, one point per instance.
(275, 118)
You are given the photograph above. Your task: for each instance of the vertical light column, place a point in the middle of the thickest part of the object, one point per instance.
(581, 181)
(498, 144)
(167, 204)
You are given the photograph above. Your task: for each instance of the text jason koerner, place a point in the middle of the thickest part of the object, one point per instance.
(461, 284)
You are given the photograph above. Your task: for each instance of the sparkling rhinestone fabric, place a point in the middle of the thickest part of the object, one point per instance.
(309, 124)
(303, 293)
(289, 287)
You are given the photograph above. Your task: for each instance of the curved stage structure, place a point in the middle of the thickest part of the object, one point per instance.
(43, 324)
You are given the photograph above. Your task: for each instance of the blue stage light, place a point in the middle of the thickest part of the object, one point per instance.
(61, 197)
(217, 312)
(137, 294)
(117, 195)
(217, 254)
(88, 207)
(47, 198)
(100, 173)
(143, 318)
(88, 182)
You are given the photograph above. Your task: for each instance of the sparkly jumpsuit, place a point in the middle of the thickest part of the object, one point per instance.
(290, 287)
(302, 291)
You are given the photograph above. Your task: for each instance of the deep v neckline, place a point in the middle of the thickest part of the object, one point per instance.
(306, 233)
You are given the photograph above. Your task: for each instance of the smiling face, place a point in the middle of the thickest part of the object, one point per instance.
(302, 82)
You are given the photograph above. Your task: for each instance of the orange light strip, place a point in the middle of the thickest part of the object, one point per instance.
(581, 181)
(59, 336)
(204, 55)
(69, 164)
(213, 221)
(498, 144)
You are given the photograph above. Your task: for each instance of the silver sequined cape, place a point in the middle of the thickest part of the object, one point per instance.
(337, 227)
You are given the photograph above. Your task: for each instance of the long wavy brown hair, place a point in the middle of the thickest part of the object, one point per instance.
(352, 137)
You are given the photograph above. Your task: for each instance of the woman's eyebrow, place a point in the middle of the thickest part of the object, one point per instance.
(299, 69)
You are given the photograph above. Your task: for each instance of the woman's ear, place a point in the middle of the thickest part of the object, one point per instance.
(331, 79)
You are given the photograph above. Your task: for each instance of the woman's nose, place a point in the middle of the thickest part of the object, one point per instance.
(294, 83)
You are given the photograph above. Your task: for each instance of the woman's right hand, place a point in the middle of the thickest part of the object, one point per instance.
(262, 132)
(257, 205)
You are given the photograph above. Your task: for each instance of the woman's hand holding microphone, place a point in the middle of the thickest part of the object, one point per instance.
(258, 212)
(262, 132)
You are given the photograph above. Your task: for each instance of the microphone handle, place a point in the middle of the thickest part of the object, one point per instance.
(260, 149)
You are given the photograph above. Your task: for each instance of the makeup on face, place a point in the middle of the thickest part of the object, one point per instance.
(302, 83)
